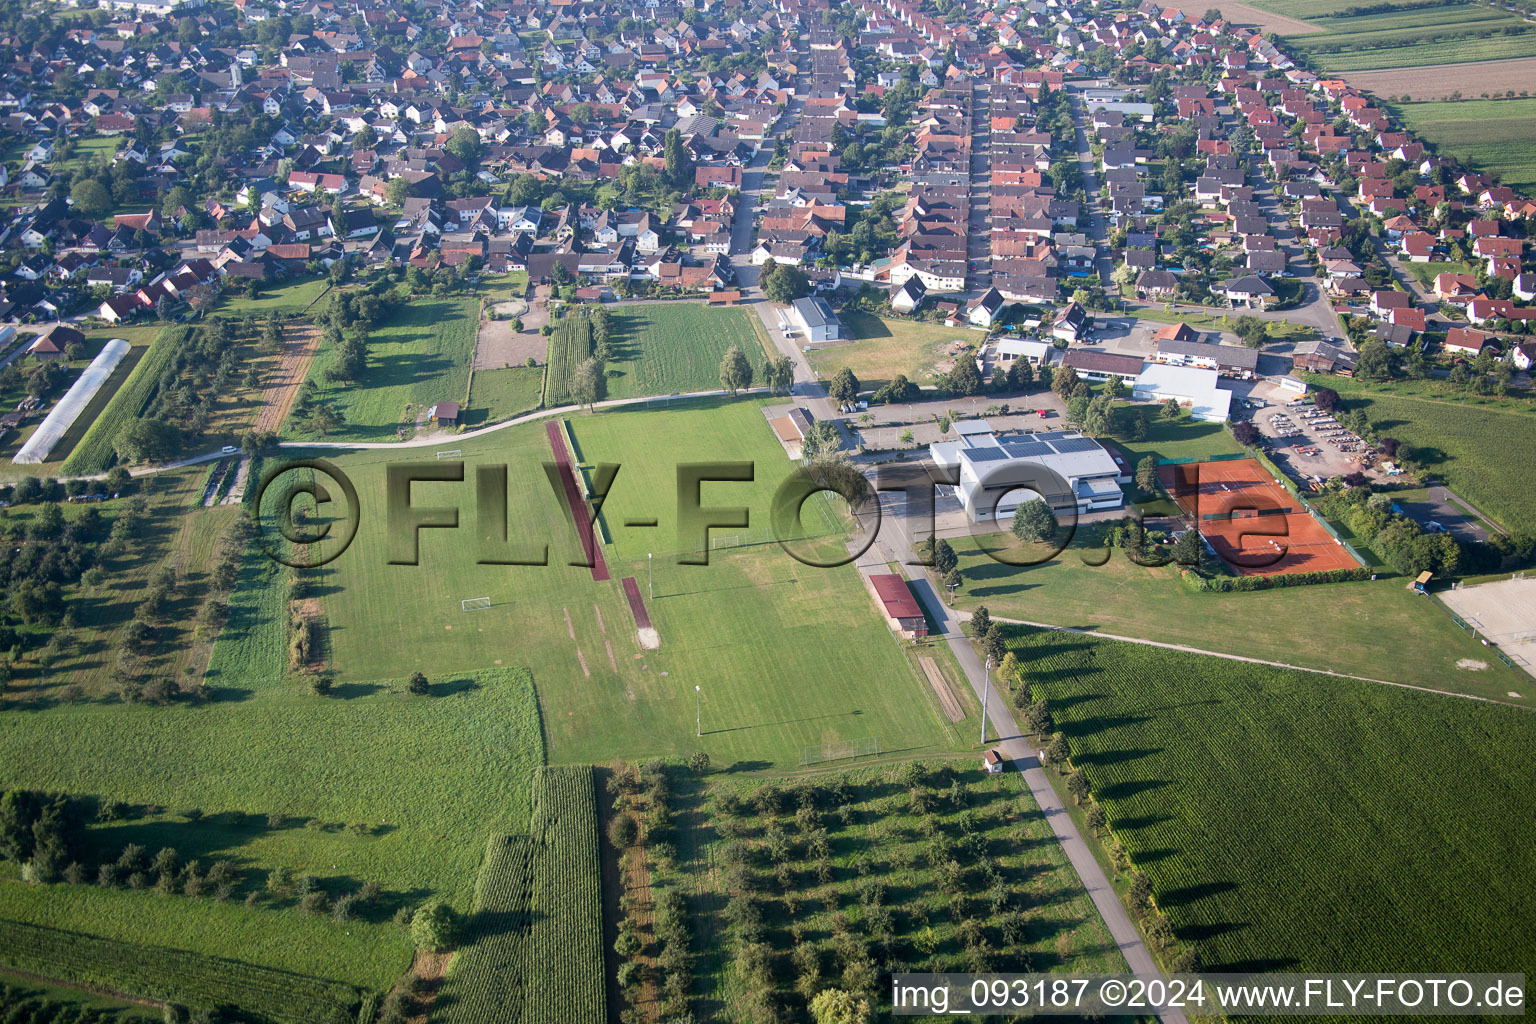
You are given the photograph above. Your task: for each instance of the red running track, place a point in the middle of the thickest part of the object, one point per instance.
(577, 504)
(636, 606)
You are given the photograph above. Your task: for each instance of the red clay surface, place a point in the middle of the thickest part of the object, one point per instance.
(636, 605)
(577, 504)
(1267, 532)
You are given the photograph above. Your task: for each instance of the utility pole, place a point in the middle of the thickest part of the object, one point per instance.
(698, 712)
(650, 578)
(986, 688)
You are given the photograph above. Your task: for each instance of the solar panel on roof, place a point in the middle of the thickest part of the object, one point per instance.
(1069, 445)
(986, 454)
(1050, 435)
(1027, 449)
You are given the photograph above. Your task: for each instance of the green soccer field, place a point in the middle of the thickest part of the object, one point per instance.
(786, 656)
(1290, 821)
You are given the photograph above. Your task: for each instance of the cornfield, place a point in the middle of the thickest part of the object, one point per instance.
(565, 946)
(1253, 796)
(174, 975)
(532, 951)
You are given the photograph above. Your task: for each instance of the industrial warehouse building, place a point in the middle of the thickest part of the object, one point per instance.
(997, 475)
(814, 319)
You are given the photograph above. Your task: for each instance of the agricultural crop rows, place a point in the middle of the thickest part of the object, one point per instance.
(491, 966)
(95, 451)
(569, 347)
(1252, 796)
(565, 948)
(175, 975)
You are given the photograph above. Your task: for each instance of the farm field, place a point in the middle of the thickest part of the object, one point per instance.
(15, 990)
(538, 923)
(1266, 21)
(137, 337)
(401, 793)
(1227, 783)
(1497, 137)
(722, 625)
(496, 395)
(1467, 445)
(1434, 83)
(419, 355)
(837, 868)
(1377, 629)
(288, 298)
(886, 347)
(96, 449)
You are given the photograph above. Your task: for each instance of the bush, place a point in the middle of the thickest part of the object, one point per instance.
(433, 926)
(623, 831)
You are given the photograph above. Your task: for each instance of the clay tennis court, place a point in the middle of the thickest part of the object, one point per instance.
(576, 503)
(1253, 523)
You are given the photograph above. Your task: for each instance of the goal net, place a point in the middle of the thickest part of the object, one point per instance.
(454, 453)
(475, 604)
(837, 751)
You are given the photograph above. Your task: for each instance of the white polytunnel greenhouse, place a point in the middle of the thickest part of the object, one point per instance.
(63, 416)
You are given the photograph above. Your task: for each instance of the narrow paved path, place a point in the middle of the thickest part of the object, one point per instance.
(1012, 743)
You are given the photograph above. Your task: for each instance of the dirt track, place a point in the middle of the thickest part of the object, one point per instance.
(1439, 81)
(299, 345)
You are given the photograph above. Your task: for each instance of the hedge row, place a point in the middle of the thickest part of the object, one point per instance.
(177, 976)
(1229, 584)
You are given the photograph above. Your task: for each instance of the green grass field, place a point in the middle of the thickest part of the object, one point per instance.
(1182, 438)
(723, 626)
(1498, 137)
(886, 347)
(1376, 629)
(286, 299)
(420, 355)
(496, 395)
(1253, 797)
(428, 776)
(664, 348)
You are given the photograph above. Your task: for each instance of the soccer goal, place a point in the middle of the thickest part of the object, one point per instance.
(475, 604)
(725, 542)
(453, 453)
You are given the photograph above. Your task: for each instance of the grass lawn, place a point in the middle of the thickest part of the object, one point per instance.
(418, 356)
(500, 287)
(663, 348)
(886, 347)
(1498, 137)
(402, 791)
(787, 656)
(1425, 273)
(286, 299)
(496, 395)
(1376, 629)
(1227, 783)
(1183, 438)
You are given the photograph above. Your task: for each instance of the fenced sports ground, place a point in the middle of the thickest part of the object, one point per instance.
(1502, 613)
(1254, 524)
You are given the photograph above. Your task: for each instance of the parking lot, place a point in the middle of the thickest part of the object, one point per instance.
(1309, 443)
